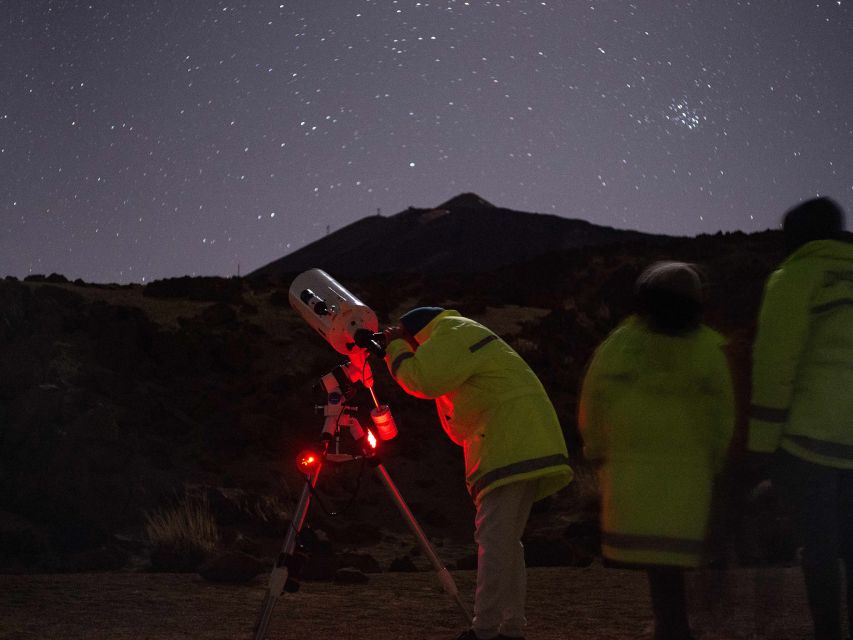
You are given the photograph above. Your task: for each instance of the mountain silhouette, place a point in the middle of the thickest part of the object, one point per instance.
(463, 235)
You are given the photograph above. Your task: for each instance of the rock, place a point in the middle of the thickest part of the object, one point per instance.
(313, 540)
(364, 562)
(168, 559)
(227, 505)
(231, 506)
(359, 533)
(233, 567)
(350, 575)
(244, 544)
(103, 558)
(319, 566)
(402, 564)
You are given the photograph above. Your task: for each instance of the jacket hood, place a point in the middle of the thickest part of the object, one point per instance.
(659, 362)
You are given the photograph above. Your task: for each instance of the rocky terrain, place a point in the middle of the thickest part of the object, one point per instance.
(119, 402)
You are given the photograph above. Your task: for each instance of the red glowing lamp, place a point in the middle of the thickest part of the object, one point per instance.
(308, 461)
(371, 439)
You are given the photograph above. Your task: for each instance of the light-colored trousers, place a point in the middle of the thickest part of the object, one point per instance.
(501, 575)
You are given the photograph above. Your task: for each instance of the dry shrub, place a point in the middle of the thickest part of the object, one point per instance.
(183, 534)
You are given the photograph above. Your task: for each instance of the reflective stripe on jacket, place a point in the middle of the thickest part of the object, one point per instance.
(658, 413)
(802, 360)
(489, 402)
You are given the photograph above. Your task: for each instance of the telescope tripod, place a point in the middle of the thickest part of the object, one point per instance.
(338, 415)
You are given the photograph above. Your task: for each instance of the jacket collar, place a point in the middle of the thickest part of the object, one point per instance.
(837, 249)
(424, 334)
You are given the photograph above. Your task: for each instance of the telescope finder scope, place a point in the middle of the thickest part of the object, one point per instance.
(314, 301)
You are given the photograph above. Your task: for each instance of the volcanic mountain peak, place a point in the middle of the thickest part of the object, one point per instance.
(440, 239)
(466, 201)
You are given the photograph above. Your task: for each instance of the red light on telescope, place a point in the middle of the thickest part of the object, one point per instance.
(371, 439)
(308, 461)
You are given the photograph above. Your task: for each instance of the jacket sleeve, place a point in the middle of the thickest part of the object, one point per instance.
(724, 409)
(437, 367)
(782, 331)
(590, 420)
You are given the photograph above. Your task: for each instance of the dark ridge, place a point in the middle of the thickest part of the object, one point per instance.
(463, 235)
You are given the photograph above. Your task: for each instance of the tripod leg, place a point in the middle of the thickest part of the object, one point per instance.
(278, 577)
(444, 577)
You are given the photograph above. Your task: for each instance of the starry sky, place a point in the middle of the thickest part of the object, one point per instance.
(143, 139)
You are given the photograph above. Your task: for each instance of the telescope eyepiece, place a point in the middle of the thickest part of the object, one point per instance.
(373, 342)
(363, 338)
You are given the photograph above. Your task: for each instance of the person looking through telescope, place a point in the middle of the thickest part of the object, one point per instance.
(490, 403)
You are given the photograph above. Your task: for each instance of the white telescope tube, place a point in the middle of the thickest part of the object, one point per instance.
(333, 312)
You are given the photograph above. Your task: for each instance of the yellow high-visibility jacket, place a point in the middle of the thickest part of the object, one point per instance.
(489, 402)
(658, 412)
(802, 360)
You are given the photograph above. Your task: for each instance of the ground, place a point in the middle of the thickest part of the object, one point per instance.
(563, 603)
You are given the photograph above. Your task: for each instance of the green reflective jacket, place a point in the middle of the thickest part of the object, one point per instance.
(802, 360)
(489, 402)
(657, 411)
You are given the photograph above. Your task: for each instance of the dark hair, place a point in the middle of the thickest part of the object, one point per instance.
(815, 219)
(667, 312)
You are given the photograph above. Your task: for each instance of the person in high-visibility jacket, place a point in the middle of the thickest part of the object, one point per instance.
(802, 399)
(490, 403)
(657, 414)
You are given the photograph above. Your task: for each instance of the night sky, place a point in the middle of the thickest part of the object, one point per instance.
(153, 138)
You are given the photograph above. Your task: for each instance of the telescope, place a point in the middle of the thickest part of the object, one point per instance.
(344, 321)
(351, 328)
